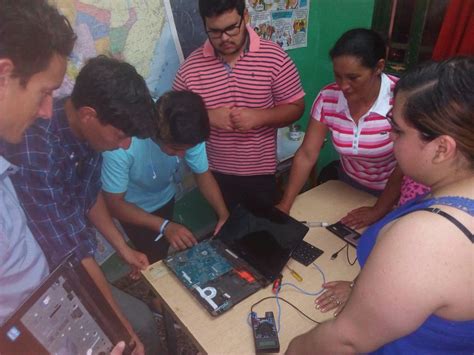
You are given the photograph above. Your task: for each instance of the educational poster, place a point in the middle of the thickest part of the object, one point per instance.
(136, 31)
(282, 21)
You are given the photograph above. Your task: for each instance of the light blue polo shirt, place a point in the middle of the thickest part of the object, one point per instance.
(23, 265)
(146, 174)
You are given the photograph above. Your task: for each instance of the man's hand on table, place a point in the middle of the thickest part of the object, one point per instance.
(137, 261)
(179, 236)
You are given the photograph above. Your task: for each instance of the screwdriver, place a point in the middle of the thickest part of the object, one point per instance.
(294, 274)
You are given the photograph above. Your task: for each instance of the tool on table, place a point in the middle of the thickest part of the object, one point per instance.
(294, 274)
(265, 333)
(277, 284)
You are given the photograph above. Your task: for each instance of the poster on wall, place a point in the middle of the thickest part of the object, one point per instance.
(282, 21)
(136, 31)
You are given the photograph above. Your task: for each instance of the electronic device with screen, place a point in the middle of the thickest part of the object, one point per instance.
(247, 254)
(265, 333)
(345, 233)
(67, 314)
(305, 253)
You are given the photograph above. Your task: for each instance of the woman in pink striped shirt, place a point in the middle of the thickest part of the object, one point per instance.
(354, 110)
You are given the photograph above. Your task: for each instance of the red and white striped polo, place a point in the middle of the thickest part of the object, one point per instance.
(365, 149)
(263, 77)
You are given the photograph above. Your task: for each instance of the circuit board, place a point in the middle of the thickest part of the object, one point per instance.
(198, 265)
(246, 255)
(212, 279)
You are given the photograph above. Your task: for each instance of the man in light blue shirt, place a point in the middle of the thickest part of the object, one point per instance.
(22, 263)
(139, 183)
(146, 174)
(35, 41)
(26, 85)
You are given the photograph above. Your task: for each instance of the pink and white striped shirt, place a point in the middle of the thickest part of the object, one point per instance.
(263, 77)
(365, 149)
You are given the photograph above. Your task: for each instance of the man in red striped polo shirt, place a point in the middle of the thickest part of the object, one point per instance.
(250, 87)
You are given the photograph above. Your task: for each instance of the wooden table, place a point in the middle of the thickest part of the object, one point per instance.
(230, 332)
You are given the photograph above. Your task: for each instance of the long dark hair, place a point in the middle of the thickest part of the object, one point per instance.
(362, 43)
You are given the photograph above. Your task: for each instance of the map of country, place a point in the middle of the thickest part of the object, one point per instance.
(136, 31)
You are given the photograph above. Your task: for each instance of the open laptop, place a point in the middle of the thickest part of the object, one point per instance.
(248, 253)
(66, 315)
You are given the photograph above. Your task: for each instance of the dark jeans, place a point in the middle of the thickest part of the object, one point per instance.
(252, 191)
(334, 171)
(144, 239)
(141, 319)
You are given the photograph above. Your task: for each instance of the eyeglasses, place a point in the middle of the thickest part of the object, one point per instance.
(230, 31)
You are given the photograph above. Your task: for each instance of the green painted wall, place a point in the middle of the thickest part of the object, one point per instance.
(327, 21)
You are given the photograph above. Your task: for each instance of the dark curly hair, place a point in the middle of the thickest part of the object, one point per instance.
(211, 8)
(31, 32)
(182, 118)
(118, 94)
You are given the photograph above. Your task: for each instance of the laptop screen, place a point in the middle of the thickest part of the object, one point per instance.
(264, 238)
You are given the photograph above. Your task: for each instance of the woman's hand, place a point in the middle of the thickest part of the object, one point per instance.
(363, 216)
(335, 297)
(283, 207)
